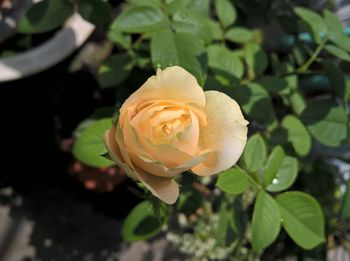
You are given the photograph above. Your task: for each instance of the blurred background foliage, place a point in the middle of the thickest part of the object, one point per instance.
(285, 62)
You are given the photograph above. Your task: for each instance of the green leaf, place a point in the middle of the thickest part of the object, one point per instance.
(337, 52)
(274, 84)
(285, 176)
(255, 153)
(173, 6)
(45, 16)
(99, 113)
(297, 135)
(255, 102)
(151, 3)
(345, 208)
(226, 66)
(297, 102)
(314, 21)
(266, 222)
(201, 7)
(233, 181)
(295, 98)
(215, 30)
(336, 31)
(187, 21)
(139, 19)
(123, 40)
(95, 11)
(239, 35)
(89, 146)
(256, 59)
(299, 55)
(183, 49)
(114, 70)
(273, 164)
(336, 77)
(302, 218)
(141, 223)
(326, 121)
(226, 12)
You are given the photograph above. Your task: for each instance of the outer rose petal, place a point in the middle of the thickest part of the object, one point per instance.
(225, 133)
(164, 188)
(173, 83)
(158, 169)
(114, 152)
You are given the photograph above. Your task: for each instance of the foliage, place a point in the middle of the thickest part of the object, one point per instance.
(293, 126)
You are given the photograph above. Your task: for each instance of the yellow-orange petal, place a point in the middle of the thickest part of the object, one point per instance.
(115, 152)
(173, 83)
(158, 169)
(164, 188)
(188, 140)
(132, 142)
(153, 167)
(225, 134)
(111, 145)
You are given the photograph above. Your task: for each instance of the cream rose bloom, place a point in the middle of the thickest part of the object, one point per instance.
(169, 125)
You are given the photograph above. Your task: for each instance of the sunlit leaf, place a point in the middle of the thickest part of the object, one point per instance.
(337, 52)
(239, 35)
(183, 49)
(297, 134)
(233, 181)
(226, 12)
(302, 218)
(89, 146)
(314, 21)
(139, 19)
(336, 31)
(255, 153)
(266, 221)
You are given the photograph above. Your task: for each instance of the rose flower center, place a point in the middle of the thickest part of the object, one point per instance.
(169, 122)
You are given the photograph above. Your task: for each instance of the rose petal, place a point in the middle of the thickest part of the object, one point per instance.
(173, 83)
(154, 168)
(170, 156)
(225, 133)
(164, 188)
(112, 147)
(188, 139)
(115, 153)
(133, 143)
(158, 169)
